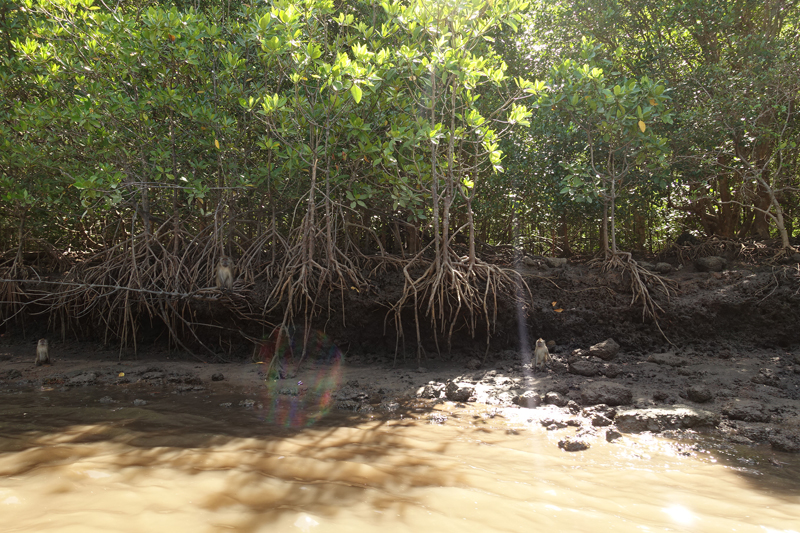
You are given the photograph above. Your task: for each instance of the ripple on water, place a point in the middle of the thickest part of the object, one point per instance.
(184, 463)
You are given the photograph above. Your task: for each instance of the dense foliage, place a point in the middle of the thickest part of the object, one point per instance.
(309, 139)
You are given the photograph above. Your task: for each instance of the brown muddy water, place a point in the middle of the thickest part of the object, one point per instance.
(69, 462)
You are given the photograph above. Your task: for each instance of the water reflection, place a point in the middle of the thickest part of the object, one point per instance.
(183, 463)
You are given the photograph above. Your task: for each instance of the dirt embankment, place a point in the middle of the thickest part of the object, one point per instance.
(729, 354)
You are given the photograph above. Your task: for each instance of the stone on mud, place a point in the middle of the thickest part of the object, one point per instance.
(611, 370)
(556, 398)
(699, 393)
(556, 262)
(767, 376)
(746, 411)
(528, 399)
(612, 435)
(431, 390)
(712, 263)
(664, 418)
(785, 442)
(605, 392)
(664, 268)
(458, 392)
(582, 367)
(573, 444)
(605, 350)
(601, 415)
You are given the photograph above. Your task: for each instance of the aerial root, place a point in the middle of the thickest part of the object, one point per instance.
(454, 292)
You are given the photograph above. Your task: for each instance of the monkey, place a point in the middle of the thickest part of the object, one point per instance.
(42, 355)
(225, 273)
(541, 354)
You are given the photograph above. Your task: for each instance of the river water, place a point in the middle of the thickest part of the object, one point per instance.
(69, 462)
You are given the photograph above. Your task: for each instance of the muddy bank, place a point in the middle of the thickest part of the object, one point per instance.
(747, 397)
(726, 358)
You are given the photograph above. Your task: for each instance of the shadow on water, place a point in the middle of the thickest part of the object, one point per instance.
(238, 471)
(269, 469)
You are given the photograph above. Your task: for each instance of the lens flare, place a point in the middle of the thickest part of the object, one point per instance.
(303, 370)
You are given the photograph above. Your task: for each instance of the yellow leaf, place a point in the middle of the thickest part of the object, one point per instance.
(653, 102)
(554, 304)
(121, 375)
(642, 126)
(557, 310)
(355, 289)
(216, 143)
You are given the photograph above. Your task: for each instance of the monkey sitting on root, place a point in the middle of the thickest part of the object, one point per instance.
(225, 273)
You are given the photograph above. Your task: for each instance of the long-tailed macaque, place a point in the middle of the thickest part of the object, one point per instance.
(225, 273)
(541, 354)
(42, 354)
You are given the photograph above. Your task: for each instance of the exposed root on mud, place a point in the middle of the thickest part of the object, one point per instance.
(643, 281)
(455, 291)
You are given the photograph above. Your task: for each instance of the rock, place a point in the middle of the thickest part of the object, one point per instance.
(553, 423)
(82, 380)
(573, 407)
(225, 404)
(550, 345)
(664, 268)
(784, 442)
(153, 375)
(667, 358)
(664, 418)
(605, 350)
(529, 261)
(556, 262)
(389, 406)
(582, 367)
(724, 354)
(555, 398)
(698, 393)
(217, 377)
(106, 399)
(456, 392)
(610, 370)
(528, 399)
(746, 411)
(712, 263)
(573, 444)
(139, 401)
(605, 392)
(247, 404)
(601, 415)
(577, 354)
(647, 266)
(660, 396)
(473, 364)
(766, 376)
(612, 435)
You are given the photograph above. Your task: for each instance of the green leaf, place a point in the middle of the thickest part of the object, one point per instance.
(355, 90)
